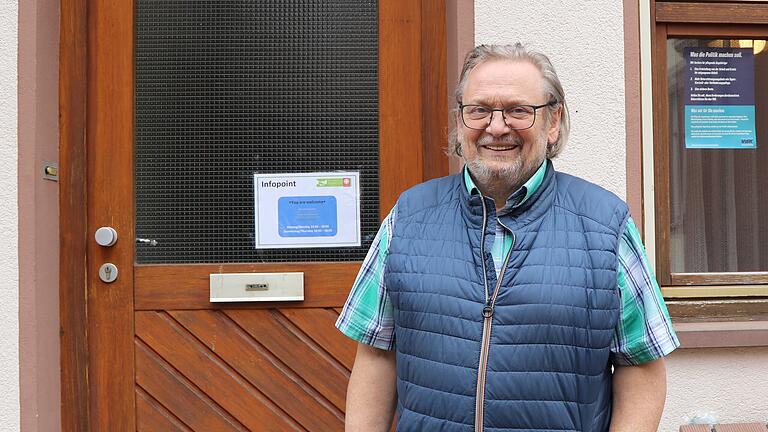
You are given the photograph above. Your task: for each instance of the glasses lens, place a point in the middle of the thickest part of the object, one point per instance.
(519, 112)
(476, 112)
(475, 116)
(516, 117)
(520, 117)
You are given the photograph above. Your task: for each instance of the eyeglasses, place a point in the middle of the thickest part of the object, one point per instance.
(517, 117)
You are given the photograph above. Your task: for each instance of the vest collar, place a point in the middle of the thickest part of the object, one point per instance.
(531, 209)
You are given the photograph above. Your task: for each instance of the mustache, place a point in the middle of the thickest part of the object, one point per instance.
(502, 140)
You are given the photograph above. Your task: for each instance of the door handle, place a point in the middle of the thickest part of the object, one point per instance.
(106, 236)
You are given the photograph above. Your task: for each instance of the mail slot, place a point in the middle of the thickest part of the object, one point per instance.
(256, 287)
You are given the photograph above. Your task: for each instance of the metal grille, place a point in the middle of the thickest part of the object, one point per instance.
(229, 88)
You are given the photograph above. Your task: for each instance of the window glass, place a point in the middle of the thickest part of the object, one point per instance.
(718, 160)
(226, 89)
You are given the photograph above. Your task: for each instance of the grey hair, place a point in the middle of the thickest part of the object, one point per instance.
(518, 53)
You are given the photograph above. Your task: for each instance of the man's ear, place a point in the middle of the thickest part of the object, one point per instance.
(554, 125)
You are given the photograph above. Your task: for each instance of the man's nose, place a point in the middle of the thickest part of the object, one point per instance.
(497, 126)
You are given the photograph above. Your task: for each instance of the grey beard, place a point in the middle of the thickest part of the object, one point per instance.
(510, 177)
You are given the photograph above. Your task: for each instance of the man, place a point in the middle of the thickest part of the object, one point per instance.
(511, 296)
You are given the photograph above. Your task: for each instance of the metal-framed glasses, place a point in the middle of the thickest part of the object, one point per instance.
(517, 117)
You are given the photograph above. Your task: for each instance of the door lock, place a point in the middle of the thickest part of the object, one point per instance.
(108, 272)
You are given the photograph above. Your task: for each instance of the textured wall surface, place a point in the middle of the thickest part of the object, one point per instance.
(585, 41)
(9, 268)
(728, 385)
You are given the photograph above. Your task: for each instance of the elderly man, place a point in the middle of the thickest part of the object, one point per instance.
(509, 297)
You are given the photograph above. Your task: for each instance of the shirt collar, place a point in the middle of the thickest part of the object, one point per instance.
(521, 195)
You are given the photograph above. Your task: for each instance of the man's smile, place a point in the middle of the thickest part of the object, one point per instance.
(500, 147)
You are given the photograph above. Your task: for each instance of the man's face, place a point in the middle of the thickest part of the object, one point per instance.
(499, 157)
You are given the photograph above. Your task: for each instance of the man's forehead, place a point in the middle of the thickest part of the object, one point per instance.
(507, 76)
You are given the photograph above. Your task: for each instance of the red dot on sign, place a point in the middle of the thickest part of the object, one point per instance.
(347, 181)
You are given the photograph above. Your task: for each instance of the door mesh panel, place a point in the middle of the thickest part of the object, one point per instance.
(229, 88)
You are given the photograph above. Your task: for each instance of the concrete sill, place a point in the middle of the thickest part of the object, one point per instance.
(741, 427)
(722, 334)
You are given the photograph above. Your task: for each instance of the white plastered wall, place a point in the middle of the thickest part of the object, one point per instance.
(728, 385)
(9, 263)
(585, 41)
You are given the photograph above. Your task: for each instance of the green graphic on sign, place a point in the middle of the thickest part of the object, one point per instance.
(330, 182)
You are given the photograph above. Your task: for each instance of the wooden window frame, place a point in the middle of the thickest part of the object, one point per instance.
(684, 19)
(701, 297)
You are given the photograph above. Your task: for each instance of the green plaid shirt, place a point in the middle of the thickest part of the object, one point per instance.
(644, 331)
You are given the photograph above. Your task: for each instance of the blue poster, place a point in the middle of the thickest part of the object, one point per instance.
(719, 98)
(307, 216)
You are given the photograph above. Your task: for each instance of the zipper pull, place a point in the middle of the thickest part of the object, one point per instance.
(487, 311)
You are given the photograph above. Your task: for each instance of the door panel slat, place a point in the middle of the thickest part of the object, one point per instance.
(297, 351)
(318, 324)
(211, 374)
(178, 395)
(151, 416)
(262, 369)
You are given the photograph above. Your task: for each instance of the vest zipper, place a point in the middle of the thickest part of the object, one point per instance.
(482, 248)
(487, 321)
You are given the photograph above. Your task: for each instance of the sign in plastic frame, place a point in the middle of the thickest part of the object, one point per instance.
(307, 210)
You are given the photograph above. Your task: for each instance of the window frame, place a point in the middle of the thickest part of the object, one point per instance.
(673, 19)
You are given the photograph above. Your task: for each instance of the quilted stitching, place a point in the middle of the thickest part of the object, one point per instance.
(554, 317)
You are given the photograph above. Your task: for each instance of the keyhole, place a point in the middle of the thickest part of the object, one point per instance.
(108, 273)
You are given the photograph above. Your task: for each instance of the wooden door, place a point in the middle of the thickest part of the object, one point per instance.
(149, 351)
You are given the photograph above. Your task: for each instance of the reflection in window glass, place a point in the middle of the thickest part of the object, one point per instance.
(718, 172)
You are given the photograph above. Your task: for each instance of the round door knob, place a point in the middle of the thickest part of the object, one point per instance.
(106, 236)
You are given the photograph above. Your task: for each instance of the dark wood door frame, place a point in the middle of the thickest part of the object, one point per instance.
(421, 48)
(73, 82)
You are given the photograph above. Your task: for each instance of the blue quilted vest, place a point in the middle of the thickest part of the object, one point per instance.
(545, 365)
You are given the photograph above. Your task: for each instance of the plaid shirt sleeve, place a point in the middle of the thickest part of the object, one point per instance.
(644, 332)
(367, 314)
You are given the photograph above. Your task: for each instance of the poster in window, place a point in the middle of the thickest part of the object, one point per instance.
(719, 98)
